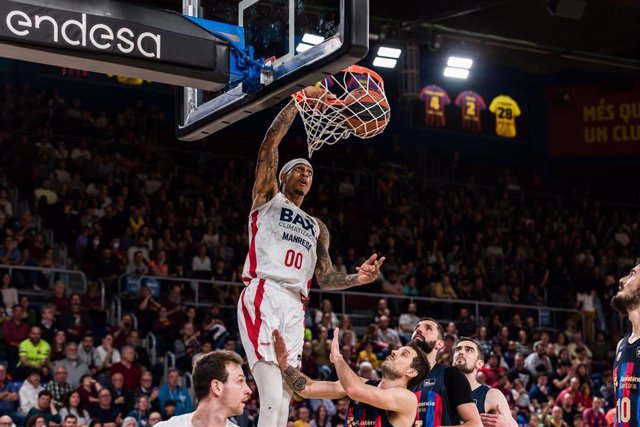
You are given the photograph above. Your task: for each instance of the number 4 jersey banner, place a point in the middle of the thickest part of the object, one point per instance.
(435, 99)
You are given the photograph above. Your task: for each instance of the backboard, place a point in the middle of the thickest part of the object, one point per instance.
(310, 39)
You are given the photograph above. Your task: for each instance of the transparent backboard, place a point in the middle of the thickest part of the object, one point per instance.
(307, 40)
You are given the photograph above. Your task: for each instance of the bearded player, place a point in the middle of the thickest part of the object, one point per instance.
(626, 367)
(491, 403)
(445, 395)
(286, 248)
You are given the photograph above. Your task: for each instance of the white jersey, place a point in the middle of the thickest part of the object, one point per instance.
(185, 421)
(282, 245)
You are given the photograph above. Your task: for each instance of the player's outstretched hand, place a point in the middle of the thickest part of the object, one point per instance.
(370, 269)
(497, 420)
(335, 346)
(318, 97)
(282, 353)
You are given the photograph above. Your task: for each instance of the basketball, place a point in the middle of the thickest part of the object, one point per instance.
(366, 112)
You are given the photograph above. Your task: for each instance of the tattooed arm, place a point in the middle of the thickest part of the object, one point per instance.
(330, 279)
(299, 382)
(266, 185)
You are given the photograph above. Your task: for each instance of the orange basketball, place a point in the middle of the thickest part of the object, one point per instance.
(366, 112)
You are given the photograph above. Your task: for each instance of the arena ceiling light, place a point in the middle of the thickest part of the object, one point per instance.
(456, 73)
(303, 47)
(308, 41)
(458, 62)
(387, 57)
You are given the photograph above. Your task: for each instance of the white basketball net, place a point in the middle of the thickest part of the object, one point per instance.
(325, 118)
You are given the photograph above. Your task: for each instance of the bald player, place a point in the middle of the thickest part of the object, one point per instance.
(491, 403)
(286, 248)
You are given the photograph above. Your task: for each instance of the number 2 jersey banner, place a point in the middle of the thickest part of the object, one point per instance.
(594, 120)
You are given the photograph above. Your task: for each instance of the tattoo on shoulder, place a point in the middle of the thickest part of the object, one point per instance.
(295, 379)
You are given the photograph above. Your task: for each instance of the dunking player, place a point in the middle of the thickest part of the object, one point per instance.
(384, 403)
(286, 248)
(445, 395)
(626, 367)
(468, 356)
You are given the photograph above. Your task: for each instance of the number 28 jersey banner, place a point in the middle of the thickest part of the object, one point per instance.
(506, 110)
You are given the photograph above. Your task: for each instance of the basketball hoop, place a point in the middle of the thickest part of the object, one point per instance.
(354, 104)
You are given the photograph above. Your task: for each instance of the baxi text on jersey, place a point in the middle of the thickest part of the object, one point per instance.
(294, 221)
(296, 239)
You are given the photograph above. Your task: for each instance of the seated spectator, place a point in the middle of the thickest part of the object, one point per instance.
(595, 416)
(6, 421)
(88, 390)
(122, 330)
(171, 390)
(37, 421)
(75, 322)
(107, 354)
(34, 353)
(538, 359)
(388, 335)
(168, 409)
(139, 265)
(9, 254)
(105, 411)
(69, 421)
(59, 346)
(15, 331)
(8, 396)
(141, 354)
(154, 418)
(9, 292)
(147, 388)
(366, 371)
(28, 394)
(186, 347)
(466, 325)
(88, 353)
(59, 387)
(73, 406)
(569, 409)
(76, 368)
(368, 355)
(48, 324)
(540, 393)
(121, 397)
(322, 347)
(45, 408)
(326, 307)
(59, 299)
(127, 366)
(573, 389)
(407, 322)
(519, 371)
(492, 369)
(309, 366)
(141, 412)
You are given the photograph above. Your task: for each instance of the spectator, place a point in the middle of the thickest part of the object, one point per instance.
(540, 393)
(9, 292)
(59, 346)
(73, 406)
(88, 390)
(407, 322)
(59, 299)
(88, 353)
(154, 418)
(48, 324)
(121, 397)
(538, 360)
(171, 390)
(75, 322)
(45, 408)
(107, 354)
(187, 346)
(6, 421)
(8, 396)
(141, 412)
(105, 411)
(130, 370)
(492, 370)
(28, 394)
(309, 366)
(326, 307)
(595, 416)
(321, 418)
(59, 387)
(34, 352)
(37, 421)
(147, 388)
(303, 418)
(76, 368)
(573, 390)
(519, 371)
(569, 409)
(14, 331)
(388, 335)
(466, 325)
(340, 417)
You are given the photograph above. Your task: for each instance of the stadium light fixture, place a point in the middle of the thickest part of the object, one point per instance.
(384, 62)
(458, 62)
(303, 47)
(312, 39)
(389, 52)
(456, 73)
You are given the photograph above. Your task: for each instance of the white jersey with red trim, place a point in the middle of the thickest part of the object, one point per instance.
(282, 245)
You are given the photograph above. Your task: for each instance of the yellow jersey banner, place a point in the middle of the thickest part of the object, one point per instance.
(506, 111)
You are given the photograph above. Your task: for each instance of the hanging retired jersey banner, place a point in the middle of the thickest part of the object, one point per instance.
(435, 99)
(471, 106)
(506, 110)
(594, 120)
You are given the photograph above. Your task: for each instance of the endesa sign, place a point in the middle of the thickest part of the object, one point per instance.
(105, 27)
(594, 120)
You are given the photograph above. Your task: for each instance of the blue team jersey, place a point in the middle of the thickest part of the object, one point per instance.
(433, 404)
(479, 396)
(362, 414)
(626, 379)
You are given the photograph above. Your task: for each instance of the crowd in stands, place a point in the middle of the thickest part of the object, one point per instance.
(121, 207)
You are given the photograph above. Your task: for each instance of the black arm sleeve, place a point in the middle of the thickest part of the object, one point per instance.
(458, 388)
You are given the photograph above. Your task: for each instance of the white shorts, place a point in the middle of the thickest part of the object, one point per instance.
(264, 307)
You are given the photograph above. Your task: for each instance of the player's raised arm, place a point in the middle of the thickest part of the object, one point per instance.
(329, 278)
(299, 382)
(266, 185)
